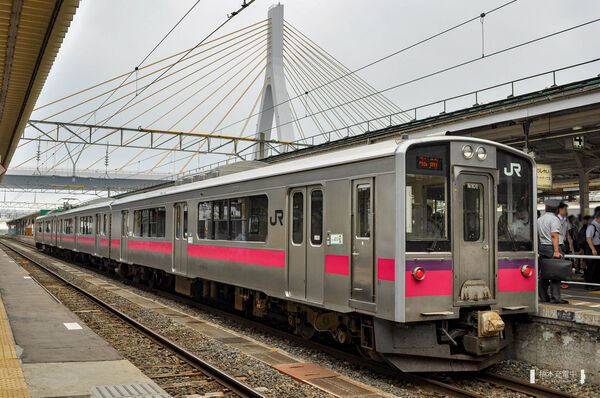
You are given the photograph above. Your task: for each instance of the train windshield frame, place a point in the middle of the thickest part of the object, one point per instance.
(515, 210)
(428, 198)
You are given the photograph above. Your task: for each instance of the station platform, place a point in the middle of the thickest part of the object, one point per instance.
(583, 307)
(45, 349)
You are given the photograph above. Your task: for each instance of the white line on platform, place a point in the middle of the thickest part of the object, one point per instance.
(582, 303)
(72, 326)
(595, 305)
(26, 277)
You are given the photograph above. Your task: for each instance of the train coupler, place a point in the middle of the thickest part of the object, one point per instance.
(487, 341)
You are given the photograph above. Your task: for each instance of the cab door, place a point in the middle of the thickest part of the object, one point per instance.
(362, 272)
(180, 226)
(474, 237)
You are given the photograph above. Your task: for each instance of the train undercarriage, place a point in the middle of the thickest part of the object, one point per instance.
(476, 340)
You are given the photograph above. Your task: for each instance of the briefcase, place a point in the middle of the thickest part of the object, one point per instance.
(555, 269)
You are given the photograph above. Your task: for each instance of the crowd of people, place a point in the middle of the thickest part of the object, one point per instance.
(560, 234)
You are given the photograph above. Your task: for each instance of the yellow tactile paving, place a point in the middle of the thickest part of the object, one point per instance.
(12, 381)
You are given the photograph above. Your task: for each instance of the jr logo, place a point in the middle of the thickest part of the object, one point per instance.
(278, 217)
(515, 168)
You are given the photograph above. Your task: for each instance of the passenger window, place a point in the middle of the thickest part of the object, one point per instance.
(177, 221)
(185, 221)
(220, 220)
(124, 228)
(297, 217)
(363, 209)
(316, 217)
(237, 217)
(472, 212)
(204, 212)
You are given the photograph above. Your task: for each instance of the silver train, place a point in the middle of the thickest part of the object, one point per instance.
(420, 252)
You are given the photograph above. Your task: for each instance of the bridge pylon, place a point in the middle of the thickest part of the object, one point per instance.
(274, 101)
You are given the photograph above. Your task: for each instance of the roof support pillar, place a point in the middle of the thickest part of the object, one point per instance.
(584, 192)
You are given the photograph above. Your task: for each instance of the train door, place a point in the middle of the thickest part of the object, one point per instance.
(124, 234)
(54, 232)
(474, 237)
(180, 242)
(306, 262)
(362, 272)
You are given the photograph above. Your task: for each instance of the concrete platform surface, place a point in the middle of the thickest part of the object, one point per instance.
(59, 355)
(583, 307)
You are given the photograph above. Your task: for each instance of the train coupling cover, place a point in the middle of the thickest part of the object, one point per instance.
(489, 327)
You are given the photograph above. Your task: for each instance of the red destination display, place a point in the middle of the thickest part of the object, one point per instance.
(429, 162)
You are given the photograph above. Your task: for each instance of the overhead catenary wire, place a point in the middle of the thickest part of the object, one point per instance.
(248, 45)
(470, 61)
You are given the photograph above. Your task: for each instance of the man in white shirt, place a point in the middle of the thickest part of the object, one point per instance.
(549, 227)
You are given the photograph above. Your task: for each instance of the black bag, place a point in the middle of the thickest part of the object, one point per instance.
(555, 269)
(580, 240)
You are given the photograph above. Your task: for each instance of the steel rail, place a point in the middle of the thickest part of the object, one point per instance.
(225, 379)
(523, 386)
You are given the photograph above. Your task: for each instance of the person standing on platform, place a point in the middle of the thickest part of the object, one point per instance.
(592, 272)
(549, 227)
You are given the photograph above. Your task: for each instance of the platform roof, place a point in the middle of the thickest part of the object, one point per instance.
(31, 33)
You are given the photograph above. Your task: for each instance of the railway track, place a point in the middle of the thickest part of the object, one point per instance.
(171, 366)
(428, 383)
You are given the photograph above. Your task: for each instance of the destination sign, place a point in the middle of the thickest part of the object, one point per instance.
(429, 163)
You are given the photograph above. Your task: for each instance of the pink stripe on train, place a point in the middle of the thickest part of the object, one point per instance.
(386, 269)
(83, 239)
(68, 238)
(512, 280)
(113, 242)
(271, 258)
(336, 264)
(436, 283)
(159, 247)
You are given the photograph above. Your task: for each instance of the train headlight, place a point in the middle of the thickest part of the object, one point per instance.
(467, 151)
(481, 153)
(418, 273)
(527, 271)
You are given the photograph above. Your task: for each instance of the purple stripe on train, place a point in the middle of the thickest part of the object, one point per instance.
(429, 265)
(516, 263)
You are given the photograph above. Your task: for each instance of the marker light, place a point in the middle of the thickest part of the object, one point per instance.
(481, 153)
(418, 273)
(467, 151)
(526, 271)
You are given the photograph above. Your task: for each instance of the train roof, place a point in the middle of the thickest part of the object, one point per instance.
(328, 159)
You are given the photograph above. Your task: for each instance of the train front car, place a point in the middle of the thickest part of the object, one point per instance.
(465, 250)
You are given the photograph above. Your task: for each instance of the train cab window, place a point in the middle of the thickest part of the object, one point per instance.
(427, 209)
(473, 214)
(363, 220)
(316, 217)
(297, 218)
(515, 212)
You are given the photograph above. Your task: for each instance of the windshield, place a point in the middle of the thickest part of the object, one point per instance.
(514, 212)
(427, 207)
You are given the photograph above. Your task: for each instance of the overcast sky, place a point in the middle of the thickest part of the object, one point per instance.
(110, 37)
